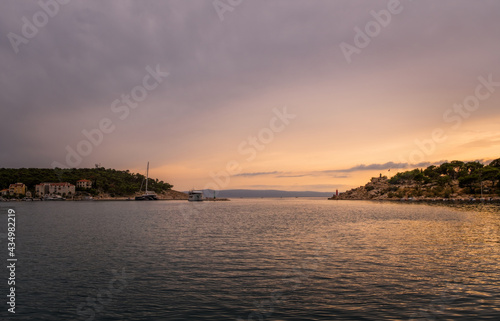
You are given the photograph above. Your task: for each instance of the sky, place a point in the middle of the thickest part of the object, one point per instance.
(280, 94)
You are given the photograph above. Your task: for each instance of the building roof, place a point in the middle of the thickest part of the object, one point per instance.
(84, 180)
(56, 184)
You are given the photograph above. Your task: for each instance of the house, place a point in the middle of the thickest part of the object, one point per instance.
(42, 189)
(84, 183)
(379, 179)
(4, 192)
(17, 189)
(54, 189)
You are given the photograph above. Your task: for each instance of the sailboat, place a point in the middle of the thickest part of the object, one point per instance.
(147, 196)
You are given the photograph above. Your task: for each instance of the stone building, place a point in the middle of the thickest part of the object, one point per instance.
(54, 189)
(84, 183)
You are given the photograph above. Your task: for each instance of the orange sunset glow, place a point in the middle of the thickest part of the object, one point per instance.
(319, 102)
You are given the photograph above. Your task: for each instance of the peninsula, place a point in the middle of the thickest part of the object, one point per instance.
(451, 180)
(79, 183)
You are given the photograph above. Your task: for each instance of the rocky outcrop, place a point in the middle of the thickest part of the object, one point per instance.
(377, 188)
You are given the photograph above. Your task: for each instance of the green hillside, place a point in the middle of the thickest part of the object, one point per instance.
(110, 181)
(454, 179)
(470, 176)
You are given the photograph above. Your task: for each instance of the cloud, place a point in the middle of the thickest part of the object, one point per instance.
(384, 166)
(336, 175)
(484, 161)
(392, 165)
(482, 143)
(256, 174)
(292, 175)
(225, 78)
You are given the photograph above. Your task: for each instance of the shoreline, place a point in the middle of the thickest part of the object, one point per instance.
(110, 200)
(493, 205)
(471, 200)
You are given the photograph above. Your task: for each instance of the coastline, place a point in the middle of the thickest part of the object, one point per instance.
(471, 200)
(459, 204)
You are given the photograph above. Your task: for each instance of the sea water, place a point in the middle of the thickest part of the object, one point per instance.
(252, 259)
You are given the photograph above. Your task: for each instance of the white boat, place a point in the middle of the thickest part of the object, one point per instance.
(53, 198)
(147, 196)
(195, 196)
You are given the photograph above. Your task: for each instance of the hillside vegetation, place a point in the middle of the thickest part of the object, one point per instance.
(454, 179)
(104, 181)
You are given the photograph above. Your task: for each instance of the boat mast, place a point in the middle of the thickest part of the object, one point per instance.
(147, 177)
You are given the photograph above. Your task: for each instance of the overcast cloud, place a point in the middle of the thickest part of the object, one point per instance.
(226, 76)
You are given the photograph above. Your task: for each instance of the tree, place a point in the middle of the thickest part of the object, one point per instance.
(457, 166)
(431, 172)
(489, 173)
(471, 167)
(451, 169)
(468, 182)
(443, 168)
(495, 163)
(419, 177)
(444, 180)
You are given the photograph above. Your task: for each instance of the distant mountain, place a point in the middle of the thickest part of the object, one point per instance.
(250, 193)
